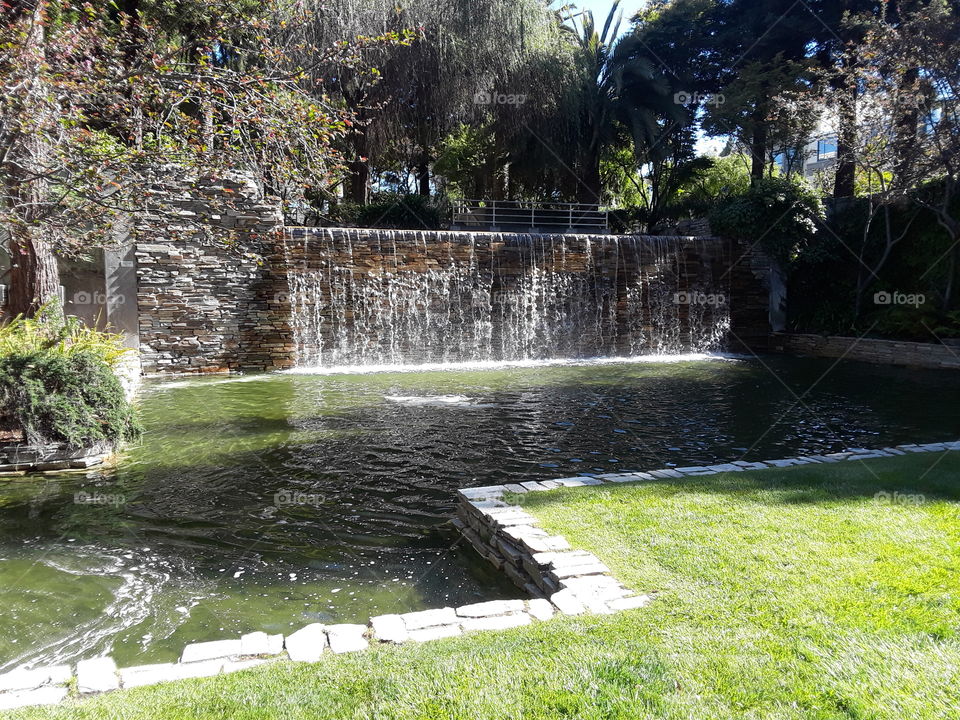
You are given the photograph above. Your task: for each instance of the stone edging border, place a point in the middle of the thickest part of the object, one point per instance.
(545, 566)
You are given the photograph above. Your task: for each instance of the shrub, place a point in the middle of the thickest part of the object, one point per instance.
(394, 210)
(57, 382)
(778, 213)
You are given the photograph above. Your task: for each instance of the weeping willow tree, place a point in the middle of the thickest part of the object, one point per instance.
(457, 58)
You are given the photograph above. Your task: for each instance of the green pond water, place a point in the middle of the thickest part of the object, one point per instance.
(265, 502)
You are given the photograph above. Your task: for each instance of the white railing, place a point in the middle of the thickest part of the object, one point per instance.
(549, 217)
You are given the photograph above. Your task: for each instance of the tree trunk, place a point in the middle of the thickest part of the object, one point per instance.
(844, 181)
(33, 279)
(590, 184)
(758, 151)
(423, 177)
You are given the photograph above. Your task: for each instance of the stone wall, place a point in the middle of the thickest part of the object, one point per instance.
(885, 352)
(210, 296)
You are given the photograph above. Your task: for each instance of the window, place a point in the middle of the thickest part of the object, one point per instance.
(826, 148)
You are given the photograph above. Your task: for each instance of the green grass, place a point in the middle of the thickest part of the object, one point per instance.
(780, 594)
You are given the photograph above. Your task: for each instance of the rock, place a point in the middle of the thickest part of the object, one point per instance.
(204, 668)
(629, 603)
(567, 603)
(28, 698)
(434, 633)
(198, 652)
(429, 618)
(231, 666)
(307, 643)
(498, 622)
(567, 571)
(345, 638)
(140, 675)
(540, 608)
(515, 488)
(389, 628)
(97, 675)
(24, 679)
(259, 643)
(488, 609)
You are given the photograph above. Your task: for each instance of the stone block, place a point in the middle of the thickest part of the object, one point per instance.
(32, 698)
(389, 628)
(23, 679)
(140, 675)
(496, 622)
(97, 675)
(570, 571)
(198, 652)
(259, 643)
(306, 644)
(204, 668)
(344, 637)
(429, 618)
(567, 603)
(540, 608)
(493, 607)
(434, 633)
(629, 603)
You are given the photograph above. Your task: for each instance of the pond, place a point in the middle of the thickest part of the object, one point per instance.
(265, 502)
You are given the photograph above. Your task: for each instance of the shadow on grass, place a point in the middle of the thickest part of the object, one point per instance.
(908, 479)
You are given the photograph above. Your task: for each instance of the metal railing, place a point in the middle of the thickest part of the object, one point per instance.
(548, 217)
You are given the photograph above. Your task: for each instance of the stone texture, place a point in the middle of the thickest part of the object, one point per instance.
(434, 633)
(198, 652)
(31, 679)
(493, 607)
(498, 622)
(429, 618)
(204, 668)
(344, 637)
(31, 698)
(629, 603)
(259, 643)
(97, 675)
(872, 350)
(306, 644)
(140, 675)
(567, 603)
(540, 608)
(389, 628)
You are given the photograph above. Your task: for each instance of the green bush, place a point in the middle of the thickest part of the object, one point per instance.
(779, 214)
(394, 210)
(57, 382)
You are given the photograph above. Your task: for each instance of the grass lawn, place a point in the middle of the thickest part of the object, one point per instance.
(788, 593)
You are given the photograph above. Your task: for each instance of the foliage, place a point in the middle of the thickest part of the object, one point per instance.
(394, 210)
(57, 382)
(780, 214)
(724, 177)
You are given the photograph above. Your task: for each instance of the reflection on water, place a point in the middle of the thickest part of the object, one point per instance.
(262, 505)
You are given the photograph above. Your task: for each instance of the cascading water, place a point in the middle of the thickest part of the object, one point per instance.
(386, 297)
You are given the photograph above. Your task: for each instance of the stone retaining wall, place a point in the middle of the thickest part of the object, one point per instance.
(209, 296)
(885, 352)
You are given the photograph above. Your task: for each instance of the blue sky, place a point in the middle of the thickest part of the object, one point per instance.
(600, 8)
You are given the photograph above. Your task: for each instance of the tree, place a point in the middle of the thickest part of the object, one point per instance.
(96, 104)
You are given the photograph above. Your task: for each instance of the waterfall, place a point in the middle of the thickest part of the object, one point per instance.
(378, 297)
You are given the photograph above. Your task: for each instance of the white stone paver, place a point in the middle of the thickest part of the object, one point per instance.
(498, 622)
(306, 644)
(260, 643)
(198, 652)
(488, 609)
(567, 603)
(345, 637)
(434, 633)
(428, 618)
(32, 698)
(31, 679)
(97, 675)
(389, 628)
(140, 675)
(540, 609)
